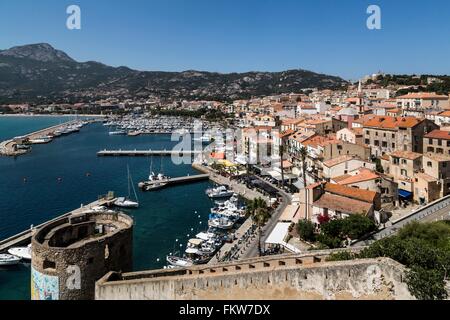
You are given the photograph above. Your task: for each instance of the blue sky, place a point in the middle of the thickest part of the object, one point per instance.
(328, 36)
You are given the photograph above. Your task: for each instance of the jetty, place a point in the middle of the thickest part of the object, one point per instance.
(24, 237)
(9, 147)
(147, 153)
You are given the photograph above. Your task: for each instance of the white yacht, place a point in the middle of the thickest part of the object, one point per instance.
(219, 192)
(21, 252)
(8, 260)
(179, 262)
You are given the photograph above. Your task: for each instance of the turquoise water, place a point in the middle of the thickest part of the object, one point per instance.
(164, 216)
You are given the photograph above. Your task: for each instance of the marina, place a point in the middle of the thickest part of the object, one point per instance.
(172, 229)
(54, 185)
(134, 125)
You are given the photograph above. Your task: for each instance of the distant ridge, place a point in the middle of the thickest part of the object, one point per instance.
(39, 72)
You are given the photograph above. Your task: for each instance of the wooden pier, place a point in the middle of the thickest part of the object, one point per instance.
(181, 180)
(147, 153)
(24, 237)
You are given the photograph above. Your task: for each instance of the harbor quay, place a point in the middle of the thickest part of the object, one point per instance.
(21, 145)
(245, 243)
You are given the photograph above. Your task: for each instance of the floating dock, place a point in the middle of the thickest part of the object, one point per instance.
(25, 236)
(146, 153)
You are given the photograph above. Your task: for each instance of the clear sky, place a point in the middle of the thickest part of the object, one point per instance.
(327, 36)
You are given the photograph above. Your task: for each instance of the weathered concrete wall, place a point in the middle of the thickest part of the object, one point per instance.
(360, 279)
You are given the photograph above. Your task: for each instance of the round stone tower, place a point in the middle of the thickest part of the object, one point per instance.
(69, 255)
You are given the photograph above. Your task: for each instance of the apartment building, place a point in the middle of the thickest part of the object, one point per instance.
(402, 167)
(390, 134)
(437, 142)
(342, 165)
(351, 135)
(423, 101)
(433, 181)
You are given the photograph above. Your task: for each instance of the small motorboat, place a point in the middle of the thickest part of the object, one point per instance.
(21, 252)
(179, 262)
(9, 260)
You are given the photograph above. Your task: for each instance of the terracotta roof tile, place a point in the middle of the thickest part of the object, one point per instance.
(362, 175)
(406, 155)
(438, 134)
(357, 194)
(343, 204)
(386, 122)
(423, 95)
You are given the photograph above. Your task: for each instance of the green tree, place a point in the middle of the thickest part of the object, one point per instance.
(426, 284)
(356, 226)
(306, 230)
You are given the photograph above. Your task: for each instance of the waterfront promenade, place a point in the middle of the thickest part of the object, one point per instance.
(246, 240)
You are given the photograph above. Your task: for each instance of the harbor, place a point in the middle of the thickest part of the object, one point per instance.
(183, 224)
(79, 176)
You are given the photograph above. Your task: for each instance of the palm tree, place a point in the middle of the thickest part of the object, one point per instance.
(255, 204)
(303, 155)
(281, 160)
(260, 217)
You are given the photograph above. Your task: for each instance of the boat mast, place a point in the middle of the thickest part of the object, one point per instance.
(131, 185)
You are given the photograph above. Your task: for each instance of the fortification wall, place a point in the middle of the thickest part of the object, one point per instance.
(360, 279)
(70, 272)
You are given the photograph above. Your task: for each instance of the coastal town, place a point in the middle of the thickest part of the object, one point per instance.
(301, 172)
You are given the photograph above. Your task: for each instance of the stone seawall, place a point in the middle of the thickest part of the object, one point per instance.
(283, 278)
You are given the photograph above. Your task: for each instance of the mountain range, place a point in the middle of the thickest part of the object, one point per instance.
(41, 73)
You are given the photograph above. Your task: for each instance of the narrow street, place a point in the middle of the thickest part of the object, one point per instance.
(268, 228)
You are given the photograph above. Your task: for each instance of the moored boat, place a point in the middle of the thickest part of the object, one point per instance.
(179, 262)
(219, 192)
(21, 252)
(9, 260)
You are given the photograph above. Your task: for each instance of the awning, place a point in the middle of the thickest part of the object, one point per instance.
(279, 233)
(241, 160)
(404, 194)
(299, 184)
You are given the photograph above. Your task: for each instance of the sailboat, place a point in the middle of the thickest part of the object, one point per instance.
(127, 202)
